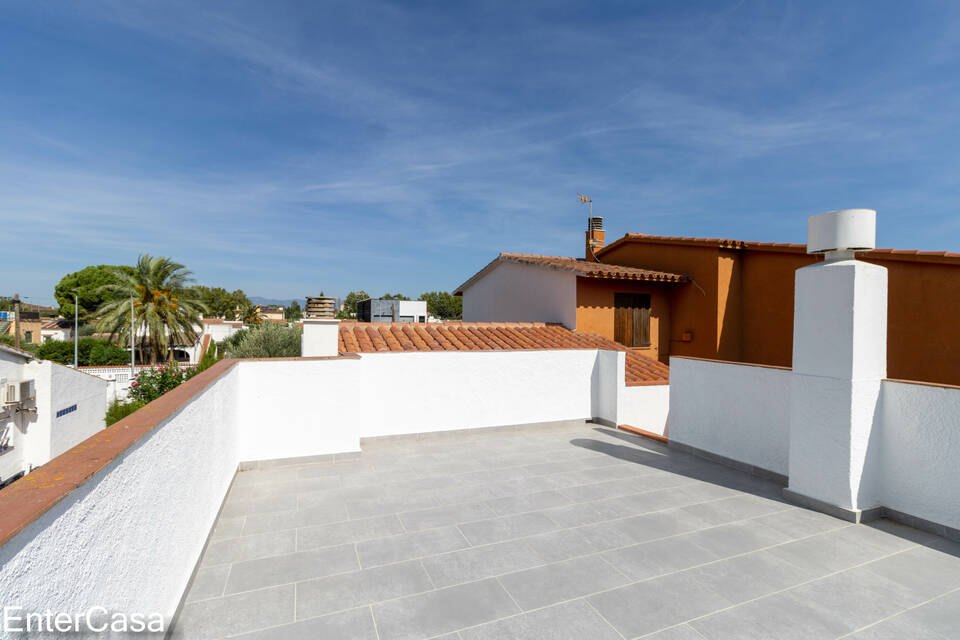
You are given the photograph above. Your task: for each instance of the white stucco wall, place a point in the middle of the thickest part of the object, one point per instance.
(736, 411)
(129, 538)
(58, 388)
(513, 292)
(646, 407)
(920, 450)
(305, 408)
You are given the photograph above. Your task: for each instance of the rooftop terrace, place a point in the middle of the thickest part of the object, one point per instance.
(574, 531)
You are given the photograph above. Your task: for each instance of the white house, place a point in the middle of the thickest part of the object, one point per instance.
(45, 409)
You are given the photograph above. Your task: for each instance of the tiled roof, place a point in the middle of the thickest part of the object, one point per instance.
(221, 321)
(365, 337)
(581, 268)
(728, 243)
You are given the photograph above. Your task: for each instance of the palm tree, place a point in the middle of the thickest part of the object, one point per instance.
(166, 310)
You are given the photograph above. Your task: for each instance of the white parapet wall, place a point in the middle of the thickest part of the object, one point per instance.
(646, 407)
(315, 407)
(129, 537)
(741, 412)
(920, 451)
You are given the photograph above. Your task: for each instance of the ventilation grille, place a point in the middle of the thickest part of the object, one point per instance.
(594, 223)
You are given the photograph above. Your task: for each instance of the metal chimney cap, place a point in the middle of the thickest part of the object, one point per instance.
(842, 230)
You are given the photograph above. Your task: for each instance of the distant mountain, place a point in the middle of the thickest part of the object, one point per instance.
(282, 302)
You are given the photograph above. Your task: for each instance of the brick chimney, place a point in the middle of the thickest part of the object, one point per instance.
(595, 238)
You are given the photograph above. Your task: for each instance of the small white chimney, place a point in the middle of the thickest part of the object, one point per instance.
(838, 234)
(320, 337)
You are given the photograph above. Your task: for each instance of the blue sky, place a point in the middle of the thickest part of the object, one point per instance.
(291, 147)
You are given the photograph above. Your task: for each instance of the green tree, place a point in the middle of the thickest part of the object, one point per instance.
(394, 296)
(349, 308)
(90, 352)
(89, 283)
(265, 341)
(294, 312)
(221, 303)
(209, 358)
(6, 304)
(443, 305)
(166, 310)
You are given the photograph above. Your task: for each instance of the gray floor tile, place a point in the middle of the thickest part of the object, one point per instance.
(750, 576)
(506, 527)
(386, 506)
(653, 605)
(559, 545)
(528, 502)
(442, 611)
(583, 513)
(350, 531)
(659, 557)
(249, 547)
(926, 572)
(442, 516)
(778, 617)
(265, 572)
(480, 562)
(208, 583)
(680, 632)
(347, 625)
(562, 581)
(304, 517)
(410, 545)
(857, 597)
(801, 523)
(360, 588)
(267, 504)
(726, 510)
(231, 615)
(941, 615)
(737, 537)
(901, 627)
(833, 551)
(569, 621)
(228, 528)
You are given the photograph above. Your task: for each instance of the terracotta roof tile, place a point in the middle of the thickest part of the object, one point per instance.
(362, 337)
(580, 267)
(729, 243)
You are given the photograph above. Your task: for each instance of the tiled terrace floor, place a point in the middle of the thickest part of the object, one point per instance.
(564, 533)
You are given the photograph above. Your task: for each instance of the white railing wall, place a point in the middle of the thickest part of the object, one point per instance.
(742, 412)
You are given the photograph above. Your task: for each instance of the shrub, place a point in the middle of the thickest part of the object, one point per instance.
(90, 352)
(209, 358)
(264, 341)
(150, 384)
(118, 410)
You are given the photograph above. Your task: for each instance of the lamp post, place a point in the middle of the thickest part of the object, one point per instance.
(133, 367)
(76, 325)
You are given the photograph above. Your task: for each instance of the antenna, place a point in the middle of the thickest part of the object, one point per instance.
(583, 198)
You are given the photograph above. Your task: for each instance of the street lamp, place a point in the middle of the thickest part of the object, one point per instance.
(76, 325)
(133, 367)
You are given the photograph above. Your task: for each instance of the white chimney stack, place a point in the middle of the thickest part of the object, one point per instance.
(839, 362)
(838, 234)
(320, 337)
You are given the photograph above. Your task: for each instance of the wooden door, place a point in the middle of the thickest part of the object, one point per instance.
(631, 319)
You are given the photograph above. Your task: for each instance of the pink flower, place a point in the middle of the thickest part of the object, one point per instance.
(134, 383)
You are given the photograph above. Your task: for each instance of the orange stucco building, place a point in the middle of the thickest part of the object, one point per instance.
(717, 298)
(738, 302)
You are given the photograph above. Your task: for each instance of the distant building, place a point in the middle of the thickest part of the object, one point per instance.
(378, 310)
(270, 313)
(56, 329)
(45, 409)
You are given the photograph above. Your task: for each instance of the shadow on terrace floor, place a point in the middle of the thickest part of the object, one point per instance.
(659, 456)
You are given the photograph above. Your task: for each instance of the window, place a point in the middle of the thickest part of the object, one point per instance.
(28, 336)
(631, 319)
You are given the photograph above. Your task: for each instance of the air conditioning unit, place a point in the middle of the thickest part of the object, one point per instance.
(18, 392)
